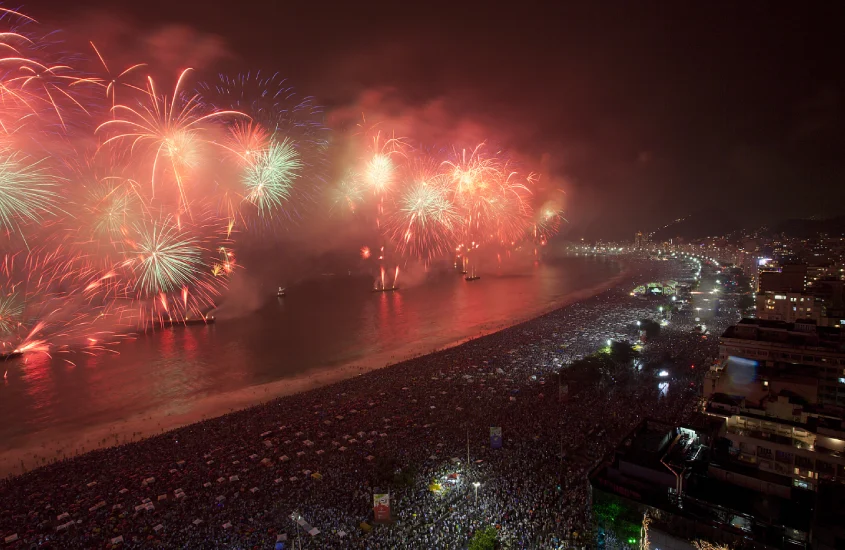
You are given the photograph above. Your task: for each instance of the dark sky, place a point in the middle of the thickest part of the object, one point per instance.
(647, 110)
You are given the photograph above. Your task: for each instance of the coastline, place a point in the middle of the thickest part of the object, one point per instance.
(47, 446)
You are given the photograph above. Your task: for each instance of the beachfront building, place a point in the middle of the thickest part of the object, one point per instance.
(667, 487)
(780, 390)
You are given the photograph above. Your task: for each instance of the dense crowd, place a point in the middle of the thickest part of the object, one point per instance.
(236, 480)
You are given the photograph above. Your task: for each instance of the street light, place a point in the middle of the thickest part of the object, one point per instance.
(476, 485)
(609, 342)
(638, 323)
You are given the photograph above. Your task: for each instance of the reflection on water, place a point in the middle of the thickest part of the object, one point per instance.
(331, 321)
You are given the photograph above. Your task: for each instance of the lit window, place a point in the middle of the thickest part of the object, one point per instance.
(842, 380)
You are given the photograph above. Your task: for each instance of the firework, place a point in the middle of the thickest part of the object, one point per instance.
(277, 114)
(270, 176)
(121, 207)
(272, 103)
(547, 220)
(171, 130)
(11, 311)
(27, 193)
(113, 82)
(490, 196)
(348, 194)
(166, 258)
(425, 220)
(379, 173)
(109, 209)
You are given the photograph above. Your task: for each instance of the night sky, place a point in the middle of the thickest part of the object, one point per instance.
(642, 113)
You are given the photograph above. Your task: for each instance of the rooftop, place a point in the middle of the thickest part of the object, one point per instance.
(705, 499)
(803, 333)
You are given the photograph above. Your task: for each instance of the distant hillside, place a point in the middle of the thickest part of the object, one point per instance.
(703, 223)
(811, 227)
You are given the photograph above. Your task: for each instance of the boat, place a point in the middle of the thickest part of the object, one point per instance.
(10, 355)
(472, 278)
(281, 292)
(205, 320)
(388, 289)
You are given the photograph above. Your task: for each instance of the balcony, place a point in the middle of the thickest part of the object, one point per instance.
(771, 438)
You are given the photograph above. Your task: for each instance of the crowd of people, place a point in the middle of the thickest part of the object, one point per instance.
(419, 430)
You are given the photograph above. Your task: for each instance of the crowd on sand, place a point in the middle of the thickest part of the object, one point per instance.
(302, 470)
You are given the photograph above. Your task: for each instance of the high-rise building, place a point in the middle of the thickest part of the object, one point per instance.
(789, 307)
(787, 348)
(789, 278)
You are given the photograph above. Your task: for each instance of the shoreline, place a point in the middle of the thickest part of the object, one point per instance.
(49, 446)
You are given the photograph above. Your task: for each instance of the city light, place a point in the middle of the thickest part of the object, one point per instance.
(663, 374)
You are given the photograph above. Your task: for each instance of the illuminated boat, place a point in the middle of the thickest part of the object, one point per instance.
(204, 320)
(388, 289)
(472, 278)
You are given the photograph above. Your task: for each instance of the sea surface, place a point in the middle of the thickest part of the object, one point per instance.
(321, 324)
